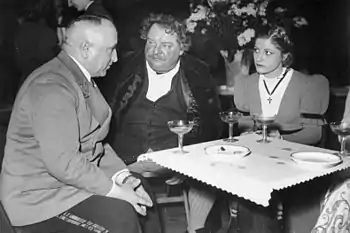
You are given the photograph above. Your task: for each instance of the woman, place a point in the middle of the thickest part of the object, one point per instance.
(277, 89)
(298, 101)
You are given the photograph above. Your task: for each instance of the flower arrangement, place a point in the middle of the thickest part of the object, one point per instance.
(233, 23)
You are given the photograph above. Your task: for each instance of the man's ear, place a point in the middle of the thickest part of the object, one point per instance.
(84, 49)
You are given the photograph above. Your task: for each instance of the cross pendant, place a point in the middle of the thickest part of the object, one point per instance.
(269, 99)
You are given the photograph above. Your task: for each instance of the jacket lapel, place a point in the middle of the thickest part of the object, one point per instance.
(96, 103)
(132, 82)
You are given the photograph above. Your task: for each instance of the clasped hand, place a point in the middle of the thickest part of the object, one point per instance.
(135, 184)
(133, 192)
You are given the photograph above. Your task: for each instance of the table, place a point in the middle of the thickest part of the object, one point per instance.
(340, 91)
(266, 169)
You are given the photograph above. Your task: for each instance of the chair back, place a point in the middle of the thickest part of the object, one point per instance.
(335, 211)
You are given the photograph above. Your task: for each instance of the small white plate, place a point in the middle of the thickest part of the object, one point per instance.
(226, 152)
(315, 160)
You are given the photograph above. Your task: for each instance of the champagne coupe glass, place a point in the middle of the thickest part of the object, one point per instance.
(231, 117)
(264, 121)
(342, 129)
(180, 127)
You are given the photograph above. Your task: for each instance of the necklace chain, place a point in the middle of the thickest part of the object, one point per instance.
(274, 89)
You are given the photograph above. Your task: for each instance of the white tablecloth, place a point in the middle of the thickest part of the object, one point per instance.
(254, 177)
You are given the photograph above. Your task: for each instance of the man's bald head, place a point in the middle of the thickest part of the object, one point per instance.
(88, 28)
(91, 40)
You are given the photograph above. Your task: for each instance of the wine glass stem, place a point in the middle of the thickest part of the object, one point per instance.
(264, 132)
(230, 131)
(342, 145)
(180, 141)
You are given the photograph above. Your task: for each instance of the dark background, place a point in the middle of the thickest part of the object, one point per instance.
(321, 47)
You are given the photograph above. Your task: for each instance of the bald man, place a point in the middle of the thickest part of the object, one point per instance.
(57, 174)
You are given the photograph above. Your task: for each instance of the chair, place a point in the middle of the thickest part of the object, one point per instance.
(335, 211)
(5, 225)
(166, 198)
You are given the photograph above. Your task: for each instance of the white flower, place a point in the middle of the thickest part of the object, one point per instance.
(191, 25)
(246, 36)
(279, 10)
(299, 21)
(250, 9)
(264, 21)
(199, 13)
(262, 8)
(245, 23)
(211, 15)
(235, 10)
(213, 2)
(204, 31)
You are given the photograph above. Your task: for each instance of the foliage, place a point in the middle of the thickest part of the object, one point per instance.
(233, 23)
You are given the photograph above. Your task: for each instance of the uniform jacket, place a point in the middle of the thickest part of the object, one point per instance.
(54, 155)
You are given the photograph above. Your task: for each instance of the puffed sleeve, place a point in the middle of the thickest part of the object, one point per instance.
(315, 99)
(313, 105)
(240, 90)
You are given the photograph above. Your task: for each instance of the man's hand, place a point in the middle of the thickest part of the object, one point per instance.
(138, 198)
(140, 191)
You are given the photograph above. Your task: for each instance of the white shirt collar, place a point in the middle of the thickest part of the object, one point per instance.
(82, 68)
(171, 73)
(159, 84)
(87, 6)
(276, 78)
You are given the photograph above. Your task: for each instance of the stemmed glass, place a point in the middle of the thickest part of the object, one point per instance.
(231, 117)
(342, 129)
(180, 127)
(264, 121)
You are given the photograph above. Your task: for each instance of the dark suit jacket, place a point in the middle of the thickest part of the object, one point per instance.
(202, 101)
(97, 8)
(53, 155)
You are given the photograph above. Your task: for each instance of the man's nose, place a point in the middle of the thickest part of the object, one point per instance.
(70, 3)
(156, 49)
(114, 56)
